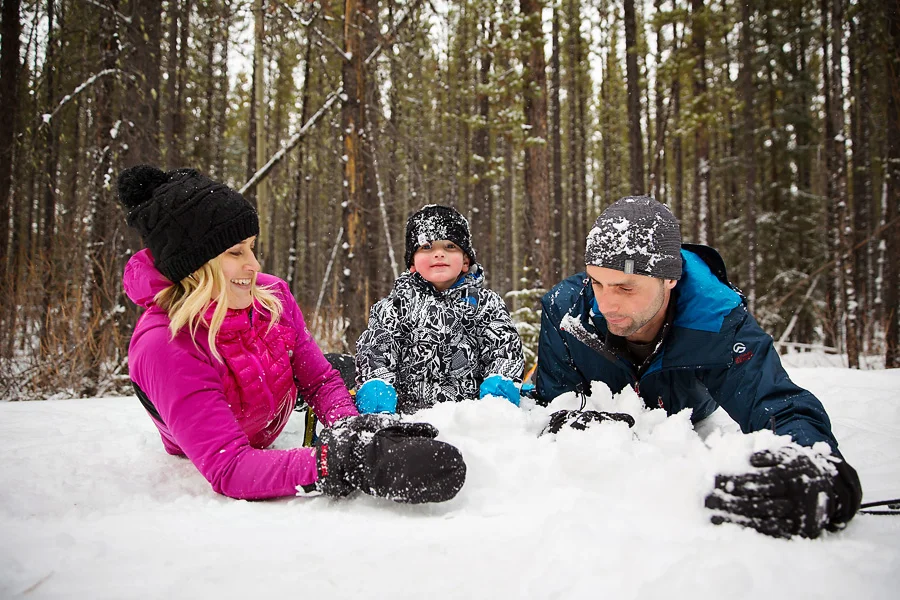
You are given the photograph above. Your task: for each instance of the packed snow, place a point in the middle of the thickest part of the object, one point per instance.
(92, 507)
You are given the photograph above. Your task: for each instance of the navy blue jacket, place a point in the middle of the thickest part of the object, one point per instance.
(713, 354)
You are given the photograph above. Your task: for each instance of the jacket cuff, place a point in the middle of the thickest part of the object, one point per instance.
(848, 494)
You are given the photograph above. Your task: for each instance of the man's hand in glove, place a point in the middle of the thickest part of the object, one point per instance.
(788, 493)
(387, 458)
(582, 419)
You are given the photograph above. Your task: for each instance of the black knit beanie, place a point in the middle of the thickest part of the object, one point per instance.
(639, 235)
(184, 218)
(436, 222)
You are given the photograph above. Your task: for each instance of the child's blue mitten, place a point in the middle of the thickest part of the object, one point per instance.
(498, 385)
(376, 396)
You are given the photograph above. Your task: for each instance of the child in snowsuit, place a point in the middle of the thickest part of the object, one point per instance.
(440, 335)
(220, 353)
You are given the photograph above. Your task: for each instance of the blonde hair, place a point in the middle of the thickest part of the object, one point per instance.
(187, 301)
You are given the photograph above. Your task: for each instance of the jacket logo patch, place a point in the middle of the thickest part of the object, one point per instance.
(743, 355)
(660, 402)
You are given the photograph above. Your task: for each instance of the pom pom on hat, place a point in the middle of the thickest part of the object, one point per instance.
(136, 185)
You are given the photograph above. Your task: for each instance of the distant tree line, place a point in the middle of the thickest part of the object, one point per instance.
(771, 127)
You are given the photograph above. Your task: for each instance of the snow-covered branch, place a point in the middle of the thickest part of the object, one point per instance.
(85, 84)
(389, 36)
(118, 15)
(334, 249)
(295, 139)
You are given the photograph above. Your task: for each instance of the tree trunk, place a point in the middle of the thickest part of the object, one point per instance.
(556, 251)
(861, 52)
(218, 168)
(677, 152)
(181, 76)
(700, 200)
(537, 174)
(173, 158)
(10, 28)
(839, 173)
(482, 231)
(656, 175)
(141, 106)
(748, 93)
(891, 54)
(260, 192)
(98, 291)
(354, 284)
(295, 255)
(635, 133)
(51, 160)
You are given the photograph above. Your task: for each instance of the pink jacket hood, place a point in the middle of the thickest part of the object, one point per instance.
(141, 279)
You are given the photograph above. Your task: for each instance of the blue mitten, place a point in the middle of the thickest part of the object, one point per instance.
(498, 385)
(376, 396)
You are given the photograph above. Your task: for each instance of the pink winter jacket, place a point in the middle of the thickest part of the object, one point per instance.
(222, 414)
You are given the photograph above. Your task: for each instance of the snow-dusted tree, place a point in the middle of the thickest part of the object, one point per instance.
(635, 131)
(537, 174)
(891, 55)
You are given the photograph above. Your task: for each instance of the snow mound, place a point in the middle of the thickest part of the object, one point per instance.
(92, 507)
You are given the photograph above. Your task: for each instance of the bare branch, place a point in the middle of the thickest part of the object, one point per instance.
(388, 38)
(110, 9)
(334, 249)
(333, 44)
(295, 139)
(85, 84)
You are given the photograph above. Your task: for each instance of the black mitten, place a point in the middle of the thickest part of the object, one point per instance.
(788, 493)
(389, 459)
(581, 419)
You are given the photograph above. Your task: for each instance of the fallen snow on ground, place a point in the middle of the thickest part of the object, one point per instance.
(92, 507)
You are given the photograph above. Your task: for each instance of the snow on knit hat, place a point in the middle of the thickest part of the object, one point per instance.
(638, 235)
(184, 218)
(436, 222)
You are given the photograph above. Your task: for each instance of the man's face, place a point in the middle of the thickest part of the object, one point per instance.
(633, 305)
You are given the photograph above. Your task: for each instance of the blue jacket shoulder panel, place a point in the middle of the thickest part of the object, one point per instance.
(715, 354)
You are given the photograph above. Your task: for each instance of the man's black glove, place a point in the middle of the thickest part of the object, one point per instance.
(387, 458)
(788, 493)
(581, 419)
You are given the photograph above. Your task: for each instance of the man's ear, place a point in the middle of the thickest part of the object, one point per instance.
(671, 283)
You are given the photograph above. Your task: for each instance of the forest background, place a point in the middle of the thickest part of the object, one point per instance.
(770, 127)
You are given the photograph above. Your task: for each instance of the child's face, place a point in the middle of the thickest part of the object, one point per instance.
(440, 262)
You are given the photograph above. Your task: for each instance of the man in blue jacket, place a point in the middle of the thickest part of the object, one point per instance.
(660, 316)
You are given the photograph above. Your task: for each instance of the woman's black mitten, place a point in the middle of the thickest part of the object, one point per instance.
(387, 458)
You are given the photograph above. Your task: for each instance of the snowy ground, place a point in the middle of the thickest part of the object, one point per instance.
(92, 507)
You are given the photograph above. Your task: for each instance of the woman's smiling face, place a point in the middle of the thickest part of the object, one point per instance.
(240, 267)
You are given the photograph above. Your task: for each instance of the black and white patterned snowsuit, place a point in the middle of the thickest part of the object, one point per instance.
(435, 346)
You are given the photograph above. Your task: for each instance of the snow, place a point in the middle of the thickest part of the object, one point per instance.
(92, 507)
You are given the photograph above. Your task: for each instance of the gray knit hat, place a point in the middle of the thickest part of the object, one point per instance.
(639, 235)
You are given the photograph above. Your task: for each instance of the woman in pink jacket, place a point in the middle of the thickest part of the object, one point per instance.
(222, 351)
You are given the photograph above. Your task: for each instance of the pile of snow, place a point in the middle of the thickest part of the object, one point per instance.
(92, 507)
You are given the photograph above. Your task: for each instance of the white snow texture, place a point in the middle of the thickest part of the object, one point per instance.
(92, 507)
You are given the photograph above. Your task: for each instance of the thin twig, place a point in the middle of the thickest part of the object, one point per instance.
(334, 249)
